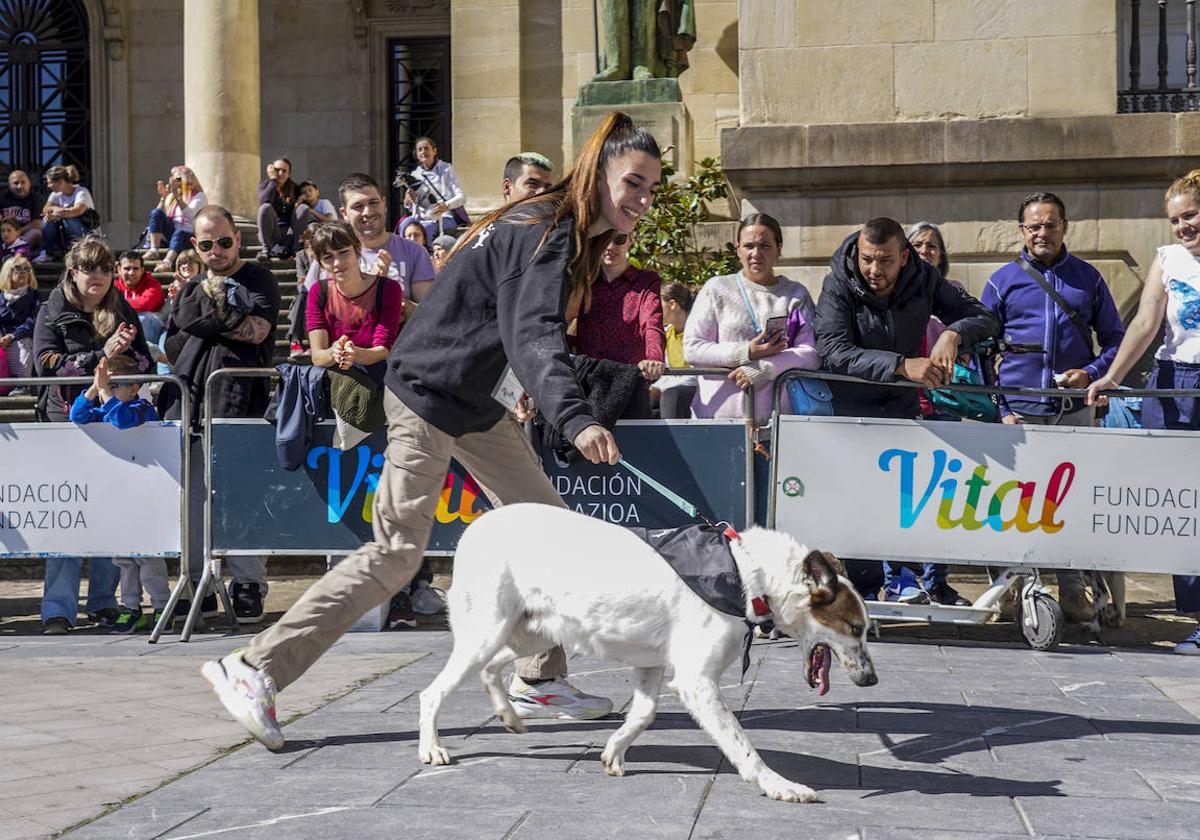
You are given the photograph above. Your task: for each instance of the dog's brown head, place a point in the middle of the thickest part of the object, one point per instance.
(812, 601)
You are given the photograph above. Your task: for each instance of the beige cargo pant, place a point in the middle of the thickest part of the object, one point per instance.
(417, 459)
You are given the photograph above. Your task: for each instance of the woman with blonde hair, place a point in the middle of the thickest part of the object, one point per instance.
(1171, 294)
(173, 218)
(69, 214)
(500, 314)
(84, 320)
(19, 307)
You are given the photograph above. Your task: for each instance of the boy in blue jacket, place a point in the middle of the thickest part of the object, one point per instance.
(123, 408)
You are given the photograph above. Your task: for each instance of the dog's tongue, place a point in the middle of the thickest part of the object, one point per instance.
(821, 668)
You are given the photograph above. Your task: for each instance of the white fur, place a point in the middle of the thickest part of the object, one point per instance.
(528, 577)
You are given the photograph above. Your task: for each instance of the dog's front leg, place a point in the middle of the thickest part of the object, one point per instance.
(640, 715)
(702, 699)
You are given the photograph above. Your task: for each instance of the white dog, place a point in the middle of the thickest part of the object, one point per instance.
(528, 577)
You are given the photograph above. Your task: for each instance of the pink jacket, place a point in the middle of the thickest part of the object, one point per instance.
(718, 334)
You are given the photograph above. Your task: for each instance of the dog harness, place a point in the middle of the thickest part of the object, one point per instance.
(701, 556)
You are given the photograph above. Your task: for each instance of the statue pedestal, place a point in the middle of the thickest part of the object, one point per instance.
(655, 104)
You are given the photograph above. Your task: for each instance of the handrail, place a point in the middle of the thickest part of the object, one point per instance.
(1003, 390)
(185, 475)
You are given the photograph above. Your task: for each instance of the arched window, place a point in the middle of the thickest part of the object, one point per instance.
(44, 86)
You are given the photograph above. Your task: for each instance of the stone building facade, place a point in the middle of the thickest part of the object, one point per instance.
(824, 113)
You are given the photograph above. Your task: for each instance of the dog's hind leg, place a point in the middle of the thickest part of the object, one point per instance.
(469, 655)
(494, 686)
(702, 699)
(640, 715)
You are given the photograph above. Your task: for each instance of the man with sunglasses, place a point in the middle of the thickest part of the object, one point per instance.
(1050, 297)
(207, 335)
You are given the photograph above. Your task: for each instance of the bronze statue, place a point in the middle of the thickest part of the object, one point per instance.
(646, 39)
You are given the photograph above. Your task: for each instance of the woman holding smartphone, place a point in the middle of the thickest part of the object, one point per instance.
(755, 322)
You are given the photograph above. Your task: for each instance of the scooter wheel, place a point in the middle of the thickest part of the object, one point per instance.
(1049, 623)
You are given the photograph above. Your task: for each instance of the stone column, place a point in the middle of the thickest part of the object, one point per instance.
(221, 100)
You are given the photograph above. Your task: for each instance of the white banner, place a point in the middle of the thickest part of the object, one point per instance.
(991, 494)
(89, 490)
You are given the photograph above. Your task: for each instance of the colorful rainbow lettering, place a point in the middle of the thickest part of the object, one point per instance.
(968, 519)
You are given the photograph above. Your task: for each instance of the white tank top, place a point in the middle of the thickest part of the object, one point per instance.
(1181, 276)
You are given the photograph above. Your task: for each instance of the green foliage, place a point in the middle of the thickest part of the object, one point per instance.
(666, 236)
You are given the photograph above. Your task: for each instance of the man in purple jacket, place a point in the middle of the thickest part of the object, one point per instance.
(1050, 297)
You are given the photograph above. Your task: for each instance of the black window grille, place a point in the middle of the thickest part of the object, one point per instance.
(45, 118)
(419, 85)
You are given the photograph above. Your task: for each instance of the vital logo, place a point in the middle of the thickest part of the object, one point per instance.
(458, 499)
(1007, 504)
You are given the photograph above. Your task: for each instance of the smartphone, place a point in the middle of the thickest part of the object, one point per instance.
(777, 324)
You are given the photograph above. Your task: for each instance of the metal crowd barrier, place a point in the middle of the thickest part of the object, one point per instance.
(183, 583)
(1041, 617)
(213, 559)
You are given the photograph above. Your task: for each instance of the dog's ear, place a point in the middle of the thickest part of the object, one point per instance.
(834, 563)
(821, 576)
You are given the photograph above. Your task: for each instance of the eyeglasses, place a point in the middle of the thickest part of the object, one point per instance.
(620, 238)
(206, 245)
(1049, 227)
(88, 268)
(22, 269)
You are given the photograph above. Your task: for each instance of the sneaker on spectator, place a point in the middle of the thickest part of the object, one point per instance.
(296, 350)
(400, 611)
(247, 602)
(105, 617)
(248, 694)
(904, 588)
(425, 599)
(555, 699)
(129, 621)
(945, 594)
(41, 259)
(56, 626)
(1191, 645)
(263, 255)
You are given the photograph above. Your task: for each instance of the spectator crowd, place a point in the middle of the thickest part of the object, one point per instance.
(888, 310)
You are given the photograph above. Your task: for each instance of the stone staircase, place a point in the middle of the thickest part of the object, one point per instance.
(21, 409)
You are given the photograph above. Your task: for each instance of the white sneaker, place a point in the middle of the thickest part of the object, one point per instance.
(555, 699)
(425, 600)
(1191, 645)
(248, 694)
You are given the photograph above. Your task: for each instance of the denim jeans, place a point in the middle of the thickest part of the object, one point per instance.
(932, 574)
(57, 235)
(161, 223)
(60, 599)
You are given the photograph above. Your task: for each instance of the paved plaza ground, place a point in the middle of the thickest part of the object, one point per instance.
(968, 734)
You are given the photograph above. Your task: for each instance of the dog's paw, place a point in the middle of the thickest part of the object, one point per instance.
(435, 755)
(613, 763)
(777, 787)
(511, 721)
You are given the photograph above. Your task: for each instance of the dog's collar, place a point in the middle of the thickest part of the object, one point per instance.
(759, 603)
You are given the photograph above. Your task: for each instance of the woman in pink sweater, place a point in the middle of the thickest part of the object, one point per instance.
(720, 331)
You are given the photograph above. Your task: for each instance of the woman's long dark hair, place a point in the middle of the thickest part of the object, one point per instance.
(577, 197)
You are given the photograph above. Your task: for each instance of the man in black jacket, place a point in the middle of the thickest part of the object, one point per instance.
(871, 318)
(875, 305)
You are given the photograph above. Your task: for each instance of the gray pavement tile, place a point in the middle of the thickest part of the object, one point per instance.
(1177, 786)
(1098, 752)
(302, 822)
(1109, 686)
(136, 821)
(917, 718)
(776, 819)
(541, 825)
(331, 787)
(670, 796)
(875, 832)
(901, 808)
(1122, 819)
(1140, 725)
(19, 828)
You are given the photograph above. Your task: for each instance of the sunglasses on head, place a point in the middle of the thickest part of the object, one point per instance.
(620, 238)
(206, 245)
